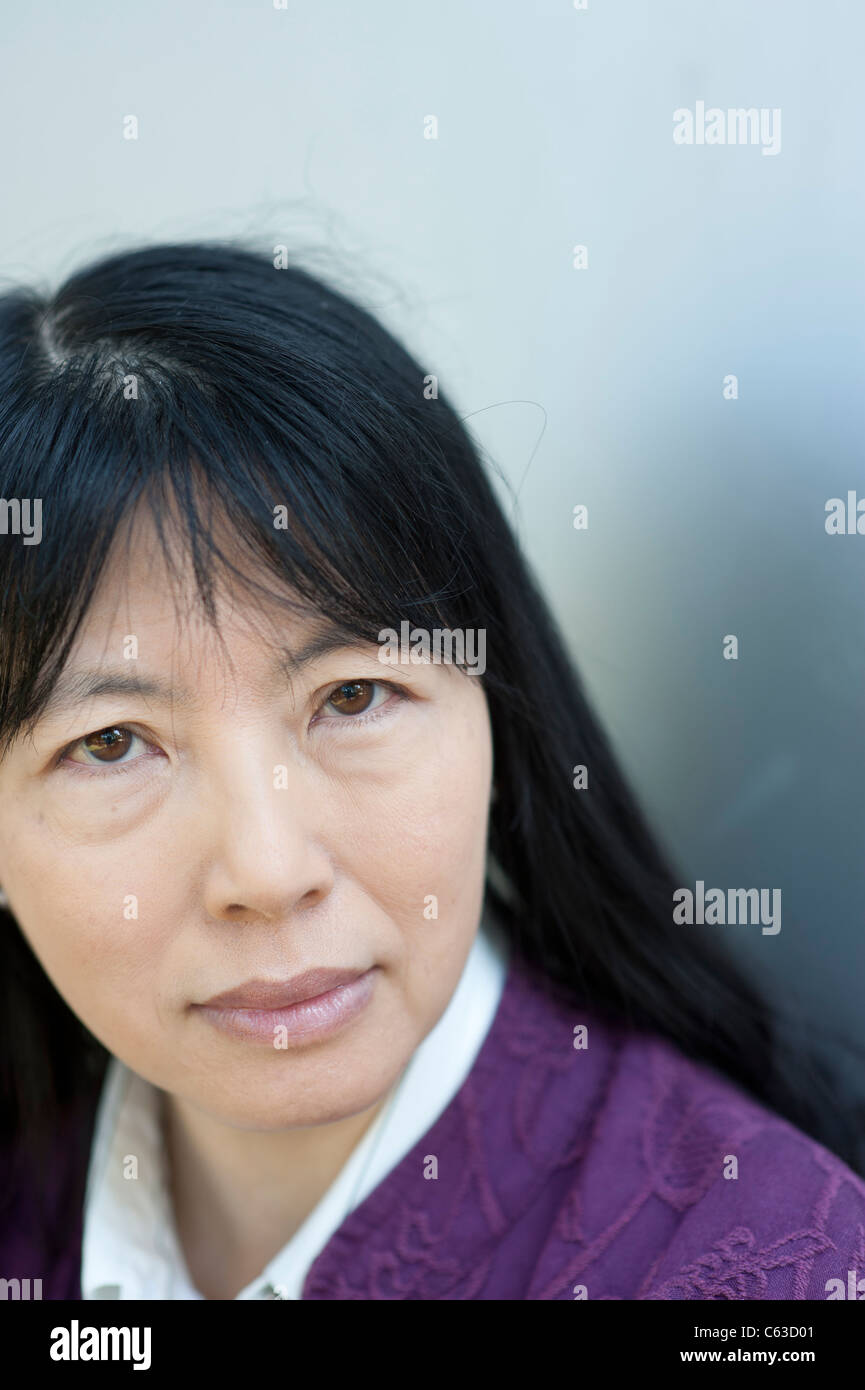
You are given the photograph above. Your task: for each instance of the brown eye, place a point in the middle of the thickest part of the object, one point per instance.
(112, 743)
(352, 697)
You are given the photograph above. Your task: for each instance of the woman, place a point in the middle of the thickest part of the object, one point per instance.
(325, 976)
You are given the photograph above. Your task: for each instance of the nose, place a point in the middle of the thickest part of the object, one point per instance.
(268, 858)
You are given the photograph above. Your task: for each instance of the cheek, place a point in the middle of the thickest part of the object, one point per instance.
(74, 909)
(427, 837)
(420, 840)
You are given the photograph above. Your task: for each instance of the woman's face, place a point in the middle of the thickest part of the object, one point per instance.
(247, 827)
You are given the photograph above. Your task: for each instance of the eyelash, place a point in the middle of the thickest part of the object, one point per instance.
(109, 769)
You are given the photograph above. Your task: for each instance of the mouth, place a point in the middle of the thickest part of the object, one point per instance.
(312, 1005)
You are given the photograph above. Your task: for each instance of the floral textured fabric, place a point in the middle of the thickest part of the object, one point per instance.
(618, 1170)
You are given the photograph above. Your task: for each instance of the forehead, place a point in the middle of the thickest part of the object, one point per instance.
(152, 583)
(146, 619)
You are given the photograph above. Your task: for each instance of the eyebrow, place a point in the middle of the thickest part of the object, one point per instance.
(75, 687)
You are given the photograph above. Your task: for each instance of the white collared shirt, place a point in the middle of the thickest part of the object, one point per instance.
(130, 1247)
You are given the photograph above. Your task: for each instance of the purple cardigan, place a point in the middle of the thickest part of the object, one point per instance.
(565, 1173)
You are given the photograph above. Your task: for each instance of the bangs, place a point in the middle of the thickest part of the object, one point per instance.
(258, 436)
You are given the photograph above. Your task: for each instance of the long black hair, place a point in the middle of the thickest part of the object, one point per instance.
(204, 379)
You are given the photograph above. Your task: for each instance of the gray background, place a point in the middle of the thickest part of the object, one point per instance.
(304, 127)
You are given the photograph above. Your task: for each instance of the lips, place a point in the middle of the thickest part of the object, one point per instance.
(275, 994)
(306, 1010)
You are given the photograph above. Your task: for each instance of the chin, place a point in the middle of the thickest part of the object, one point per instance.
(287, 1101)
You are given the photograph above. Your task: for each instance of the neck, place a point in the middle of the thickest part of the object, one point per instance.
(240, 1195)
